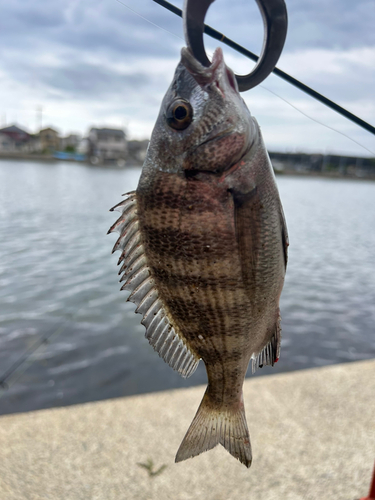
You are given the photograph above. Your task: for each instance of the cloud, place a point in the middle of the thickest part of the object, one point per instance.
(97, 62)
(104, 26)
(86, 81)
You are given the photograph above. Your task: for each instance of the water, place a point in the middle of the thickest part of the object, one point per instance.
(57, 277)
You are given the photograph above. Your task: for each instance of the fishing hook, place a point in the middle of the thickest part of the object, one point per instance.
(275, 22)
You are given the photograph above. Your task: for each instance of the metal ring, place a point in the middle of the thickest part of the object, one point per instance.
(275, 20)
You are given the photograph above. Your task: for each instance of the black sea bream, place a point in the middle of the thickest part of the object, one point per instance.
(204, 247)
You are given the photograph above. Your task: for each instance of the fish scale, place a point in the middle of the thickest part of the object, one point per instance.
(190, 276)
(204, 248)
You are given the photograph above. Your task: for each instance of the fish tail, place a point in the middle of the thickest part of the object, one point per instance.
(213, 425)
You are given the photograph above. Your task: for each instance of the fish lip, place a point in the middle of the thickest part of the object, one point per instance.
(202, 74)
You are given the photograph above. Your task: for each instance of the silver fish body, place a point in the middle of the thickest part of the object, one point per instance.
(204, 247)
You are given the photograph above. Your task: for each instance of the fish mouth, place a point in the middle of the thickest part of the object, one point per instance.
(217, 72)
(196, 68)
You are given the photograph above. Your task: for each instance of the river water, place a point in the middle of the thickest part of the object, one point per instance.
(58, 279)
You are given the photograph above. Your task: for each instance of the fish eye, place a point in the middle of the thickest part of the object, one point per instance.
(179, 114)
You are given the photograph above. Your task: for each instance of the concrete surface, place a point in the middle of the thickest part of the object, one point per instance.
(313, 437)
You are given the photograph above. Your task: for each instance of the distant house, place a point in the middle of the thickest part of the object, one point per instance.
(49, 139)
(14, 139)
(107, 144)
(7, 144)
(137, 151)
(83, 146)
(35, 145)
(71, 142)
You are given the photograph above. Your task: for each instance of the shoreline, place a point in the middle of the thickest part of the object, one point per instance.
(134, 164)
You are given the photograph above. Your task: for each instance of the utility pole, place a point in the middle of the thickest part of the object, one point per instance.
(39, 117)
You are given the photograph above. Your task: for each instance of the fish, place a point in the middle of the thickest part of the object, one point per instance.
(204, 243)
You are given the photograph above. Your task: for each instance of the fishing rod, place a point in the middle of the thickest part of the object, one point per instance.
(290, 79)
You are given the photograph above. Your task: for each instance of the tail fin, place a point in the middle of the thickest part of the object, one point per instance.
(212, 426)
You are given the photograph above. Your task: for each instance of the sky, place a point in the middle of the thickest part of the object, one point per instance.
(73, 64)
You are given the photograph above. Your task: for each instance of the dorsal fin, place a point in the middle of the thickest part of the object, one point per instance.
(139, 281)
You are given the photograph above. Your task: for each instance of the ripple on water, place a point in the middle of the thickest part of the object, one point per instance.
(57, 274)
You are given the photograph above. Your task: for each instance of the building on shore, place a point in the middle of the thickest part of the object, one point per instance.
(107, 145)
(137, 151)
(7, 144)
(70, 142)
(14, 139)
(325, 164)
(49, 140)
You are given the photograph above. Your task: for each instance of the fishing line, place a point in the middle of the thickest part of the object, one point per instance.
(9, 377)
(290, 79)
(19, 367)
(317, 121)
(154, 24)
(222, 38)
(145, 19)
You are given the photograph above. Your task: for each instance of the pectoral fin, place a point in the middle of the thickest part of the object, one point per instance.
(247, 224)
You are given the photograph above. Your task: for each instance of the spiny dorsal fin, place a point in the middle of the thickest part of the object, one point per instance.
(139, 281)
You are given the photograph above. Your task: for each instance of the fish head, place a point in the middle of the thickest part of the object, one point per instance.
(203, 124)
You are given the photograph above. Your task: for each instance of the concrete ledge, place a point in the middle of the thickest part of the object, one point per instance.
(313, 437)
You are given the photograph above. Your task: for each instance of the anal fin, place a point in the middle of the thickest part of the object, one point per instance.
(270, 353)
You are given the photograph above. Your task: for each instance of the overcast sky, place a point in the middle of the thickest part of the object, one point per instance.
(94, 62)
